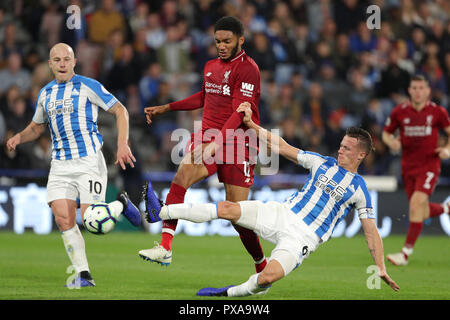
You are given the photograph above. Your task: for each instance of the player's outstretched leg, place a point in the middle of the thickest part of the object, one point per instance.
(153, 206)
(245, 289)
(130, 211)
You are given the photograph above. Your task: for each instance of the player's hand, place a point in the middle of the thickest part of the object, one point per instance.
(205, 153)
(153, 111)
(395, 144)
(246, 107)
(443, 153)
(389, 281)
(13, 142)
(124, 156)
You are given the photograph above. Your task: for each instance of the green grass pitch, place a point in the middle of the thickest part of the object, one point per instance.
(34, 267)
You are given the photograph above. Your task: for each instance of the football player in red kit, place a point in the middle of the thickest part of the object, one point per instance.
(228, 81)
(419, 121)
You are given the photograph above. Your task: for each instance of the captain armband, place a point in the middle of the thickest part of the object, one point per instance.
(366, 213)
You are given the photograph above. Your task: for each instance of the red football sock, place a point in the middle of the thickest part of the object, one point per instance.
(176, 195)
(413, 233)
(436, 209)
(251, 243)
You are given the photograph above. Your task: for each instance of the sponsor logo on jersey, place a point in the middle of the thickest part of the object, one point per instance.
(247, 89)
(61, 106)
(417, 131)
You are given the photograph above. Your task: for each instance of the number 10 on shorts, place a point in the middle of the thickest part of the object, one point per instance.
(95, 186)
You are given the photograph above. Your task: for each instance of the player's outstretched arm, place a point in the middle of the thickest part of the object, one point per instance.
(190, 103)
(150, 112)
(30, 133)
(375, 245)
(275, 143)
(124, 154)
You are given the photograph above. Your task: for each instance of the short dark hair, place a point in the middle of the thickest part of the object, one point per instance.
(363, 137)
(419, 77)
(230, 23)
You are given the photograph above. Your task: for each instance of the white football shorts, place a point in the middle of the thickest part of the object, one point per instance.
(83, 178)
(275, 222)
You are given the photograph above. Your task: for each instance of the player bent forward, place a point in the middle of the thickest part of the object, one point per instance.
(305, 220)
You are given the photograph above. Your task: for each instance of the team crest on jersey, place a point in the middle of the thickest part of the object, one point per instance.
(429, 120)
(406, 121)
(226, 75)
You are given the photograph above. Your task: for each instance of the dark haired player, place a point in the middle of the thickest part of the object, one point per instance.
(229, 80)
(305, 220)
(419, 121)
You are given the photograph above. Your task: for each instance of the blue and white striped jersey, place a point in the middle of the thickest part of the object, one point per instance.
(328, 195)
(71, 111)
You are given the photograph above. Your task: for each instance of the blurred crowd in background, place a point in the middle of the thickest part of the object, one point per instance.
(322, 68)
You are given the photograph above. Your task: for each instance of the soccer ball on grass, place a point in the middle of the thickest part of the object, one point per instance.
(98, 219)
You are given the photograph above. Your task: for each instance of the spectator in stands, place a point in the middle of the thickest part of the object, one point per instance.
(394, 80)
(335, 91)
(124, 73)
(358, 95)
(156, 35)
(103, 21)
(436, 79)
(363, 39)
(149, 83)
(343, 58)
(315, 107)
(18, 116)
(261, 51)
(285, 106)
(51, 25)
(14, 74)
(173, 55)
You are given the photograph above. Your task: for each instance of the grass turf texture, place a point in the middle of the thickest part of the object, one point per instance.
(34, 267)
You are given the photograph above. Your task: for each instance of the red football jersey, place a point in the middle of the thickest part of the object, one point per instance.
(419, 133)
(226, 85)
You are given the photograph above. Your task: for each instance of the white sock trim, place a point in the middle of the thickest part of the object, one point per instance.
(168, 230)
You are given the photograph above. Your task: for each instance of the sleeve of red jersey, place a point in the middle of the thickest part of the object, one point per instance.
(444, 121)
(190, 103)
(391, 123)
(246, 88)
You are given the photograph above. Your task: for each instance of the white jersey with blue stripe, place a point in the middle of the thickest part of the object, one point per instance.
(328, 195)
(71, 111)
